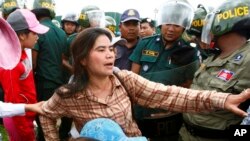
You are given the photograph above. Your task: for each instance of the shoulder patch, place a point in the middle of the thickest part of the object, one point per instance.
(238, 57)
(225, 75)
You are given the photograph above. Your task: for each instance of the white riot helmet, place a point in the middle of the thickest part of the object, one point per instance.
(96, 18)
(177, 12)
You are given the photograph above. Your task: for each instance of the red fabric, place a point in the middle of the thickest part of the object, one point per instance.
(19, 87)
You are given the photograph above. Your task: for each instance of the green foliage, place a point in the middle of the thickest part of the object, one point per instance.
(4, 133)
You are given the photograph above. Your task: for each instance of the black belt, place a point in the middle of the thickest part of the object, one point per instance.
(161, 127)
(204, 132)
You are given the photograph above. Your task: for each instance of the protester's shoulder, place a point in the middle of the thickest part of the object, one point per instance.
(125, 74)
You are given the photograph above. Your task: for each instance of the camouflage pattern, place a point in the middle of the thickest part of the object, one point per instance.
(228, 14)
(223, 19)
(230, 75)
(198, 20)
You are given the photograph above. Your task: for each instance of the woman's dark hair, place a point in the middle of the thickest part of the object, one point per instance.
(80, 49)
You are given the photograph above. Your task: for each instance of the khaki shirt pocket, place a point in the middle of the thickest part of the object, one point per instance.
(220, 85)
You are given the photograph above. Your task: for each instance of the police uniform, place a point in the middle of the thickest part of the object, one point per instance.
(49, 62)
(67, 53)
(156, 61)
(163, 65)
(230, 74)
(122, 55)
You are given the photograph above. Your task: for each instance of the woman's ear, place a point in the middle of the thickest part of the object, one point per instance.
(21, 37)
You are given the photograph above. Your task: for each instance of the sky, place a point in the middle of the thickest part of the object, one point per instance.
(146, 8)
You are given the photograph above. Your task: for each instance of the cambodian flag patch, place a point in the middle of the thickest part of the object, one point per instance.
(225, 75)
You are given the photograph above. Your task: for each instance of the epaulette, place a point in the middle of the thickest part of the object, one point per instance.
(156, 36)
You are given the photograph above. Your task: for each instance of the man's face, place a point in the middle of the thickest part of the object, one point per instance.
(69, 27)
(130, 30)
(146, 30)
(171, 32)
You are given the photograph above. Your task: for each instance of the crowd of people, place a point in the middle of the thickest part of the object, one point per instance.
(180, 77)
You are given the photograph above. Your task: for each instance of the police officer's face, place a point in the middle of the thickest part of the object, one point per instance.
(69, 27)
(146, 30)
(171, 32)
(130, 30)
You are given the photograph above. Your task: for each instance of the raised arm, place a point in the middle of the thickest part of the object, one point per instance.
(155, 95)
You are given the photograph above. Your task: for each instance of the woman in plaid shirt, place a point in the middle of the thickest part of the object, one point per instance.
(96, 92)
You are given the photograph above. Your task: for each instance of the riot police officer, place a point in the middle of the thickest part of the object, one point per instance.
(147, 27)
(110, 23)
(168, 59)
(227, 71)
(196, 28)
(8, 6)
(47, 55)
(70, 24)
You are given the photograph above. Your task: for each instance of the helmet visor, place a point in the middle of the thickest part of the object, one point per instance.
(176, 13)
(206, 35)
(96, 18)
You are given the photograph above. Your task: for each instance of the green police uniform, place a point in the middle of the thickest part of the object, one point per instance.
(172, 66)
(225, 75)
(67, 53)
(50, 47)
(156, 61)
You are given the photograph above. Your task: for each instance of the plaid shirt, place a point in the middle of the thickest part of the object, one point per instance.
(84, 106)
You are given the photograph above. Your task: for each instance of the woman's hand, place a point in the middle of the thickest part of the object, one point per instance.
(36, 107)
(233, 101)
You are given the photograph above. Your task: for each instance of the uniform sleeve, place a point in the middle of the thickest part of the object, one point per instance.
(65, 44)
(68, 44)
(177, 99)
(53, 110)
(9, 109)
(137, 53)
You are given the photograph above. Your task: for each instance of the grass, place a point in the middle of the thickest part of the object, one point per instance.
(3, 133)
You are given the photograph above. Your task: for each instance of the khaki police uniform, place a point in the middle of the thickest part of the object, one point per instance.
(230, 74)
(161, 65)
